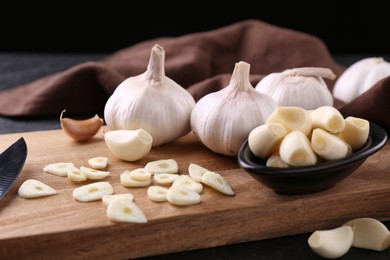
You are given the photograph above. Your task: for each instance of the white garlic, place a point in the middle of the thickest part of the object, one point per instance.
(151, 101)
(222, 120)
(360, 77)
(302, 87)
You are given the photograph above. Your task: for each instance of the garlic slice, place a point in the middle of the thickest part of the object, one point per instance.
(141, 174)
(81, 130)
(165, 178)
(98, 163)
(369, 233)
(298, 87)
(222, 120)
(332, 243)
(75, 174)
(93, 191)
(94, 174)
(162, 166)
(182, 196)
(157, 193)
(60, 169)
(196, 171)
(32, 188)
(217, 182)
(129, 145)
(123, 209)
(189, 183)
(128, 180)
(107, 198)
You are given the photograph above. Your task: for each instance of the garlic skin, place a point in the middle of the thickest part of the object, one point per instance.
(222, 120)
(360, 77)
(302, 87)
(151, 101)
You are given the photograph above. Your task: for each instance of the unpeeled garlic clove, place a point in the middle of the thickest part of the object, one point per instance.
(332, 243)
(129, 145)
(81, 130)
(369, 233)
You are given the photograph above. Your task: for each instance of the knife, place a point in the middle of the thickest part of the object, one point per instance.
(11, 164)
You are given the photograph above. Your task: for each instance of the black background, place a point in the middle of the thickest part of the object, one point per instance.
(107, 26)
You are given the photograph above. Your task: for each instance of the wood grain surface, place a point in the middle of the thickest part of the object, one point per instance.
(59, 227)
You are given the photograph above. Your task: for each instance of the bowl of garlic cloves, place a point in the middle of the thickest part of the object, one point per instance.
(300, 151)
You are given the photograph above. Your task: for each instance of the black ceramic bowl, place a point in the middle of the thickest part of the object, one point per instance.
(309, 179)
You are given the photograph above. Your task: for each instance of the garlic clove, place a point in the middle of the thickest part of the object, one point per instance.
(292, 118)
(369, 233)
(275, 161)
(81, 130)
(129, 145)
(332, 243)
(328, 118)
(329, 146)
(222, 120)
(355, 132)
(295, 149)
(299, 87)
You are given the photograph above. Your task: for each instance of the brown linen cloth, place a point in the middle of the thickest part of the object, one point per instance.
(200, 62)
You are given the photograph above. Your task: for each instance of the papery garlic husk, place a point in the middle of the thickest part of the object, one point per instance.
(360, 77)
(302, 87)
(151, 101)
(222, 120)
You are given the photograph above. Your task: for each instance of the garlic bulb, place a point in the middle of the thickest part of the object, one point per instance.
(301, 87)
(223, 119)
(151, 101)
(360, 77)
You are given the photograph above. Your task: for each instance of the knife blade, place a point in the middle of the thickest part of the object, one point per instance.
(11, 164)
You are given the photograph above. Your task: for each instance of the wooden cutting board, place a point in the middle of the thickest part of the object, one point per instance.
(59, 227)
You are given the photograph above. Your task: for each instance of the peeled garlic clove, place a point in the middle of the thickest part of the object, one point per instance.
(327, 118)
(162, 166)
(81, 130)
(151, 101)
(264, 140)
(32, 188)
(369, 233)
(196, 171)
(329, 146)
(292, 118)
(182, 196)
(98, 163)
(295, 149)
(157, 193)
(129, 145)
(298, 87)
(93, 191)
(123, 209)
(355, 132)
(360, 77)
(94, 174)
(106, 199)
(217, 182)
(59, 169)
(332, 243)
(222, 120)
(275, 161)
(188, 182)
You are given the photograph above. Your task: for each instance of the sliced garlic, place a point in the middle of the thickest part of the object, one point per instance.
(295, 149)
(141, 174)
(98, 163)
(94, 174)
(165, 178)
(93, 191)
(332, 243)
(369, 233)
(217, 182)
(162, 166)
(355, 132)
(151, 101)
(222, 120)
(182, 196)
(292, 118)
(123, 209)
(157, 193)
(106, 199)
(298, 87)
(128, 180)
(81, 130)
(328, 118)
(196, 171)
(329, 146)
(129, 145)
(264, 140)
(189, 183)
(75, 174)
(59, 169)
(32, 188)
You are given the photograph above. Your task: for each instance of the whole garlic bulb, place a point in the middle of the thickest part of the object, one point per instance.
(151, 101)
(299, 87)
(360, 77)
(222, 120)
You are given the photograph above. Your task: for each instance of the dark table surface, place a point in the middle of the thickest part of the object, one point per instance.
(20, 68)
